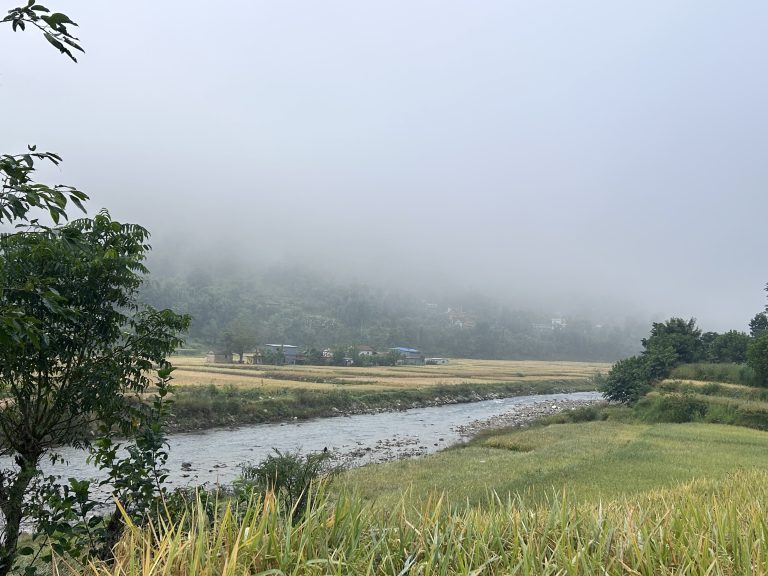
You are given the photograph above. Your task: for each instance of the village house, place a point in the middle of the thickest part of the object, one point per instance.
(409, 356)
(365, 351)
(218, 357)
(290, 353)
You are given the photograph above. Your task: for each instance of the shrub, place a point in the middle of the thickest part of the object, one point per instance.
(672, 408)
(289, 475)
(627, 380)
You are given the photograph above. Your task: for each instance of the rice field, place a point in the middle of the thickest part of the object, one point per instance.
(195, 372)
(703, 527)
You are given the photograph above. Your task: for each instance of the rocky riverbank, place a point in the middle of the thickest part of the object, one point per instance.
(400, 447)
(523, 415)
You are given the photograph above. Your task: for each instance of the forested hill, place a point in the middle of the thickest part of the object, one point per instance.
(279, 304)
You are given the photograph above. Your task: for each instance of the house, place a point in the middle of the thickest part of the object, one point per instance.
(327, 353)
(409, 356)
(436, 361)
(218, 357)
(290, 353)
(365, 350)
(254, 358)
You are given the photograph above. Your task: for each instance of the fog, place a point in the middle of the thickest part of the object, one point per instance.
(593, 155)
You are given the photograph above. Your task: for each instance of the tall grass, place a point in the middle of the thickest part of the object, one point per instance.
(703, 527)
(710, 372)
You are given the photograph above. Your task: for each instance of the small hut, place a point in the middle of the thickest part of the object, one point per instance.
(218, 357)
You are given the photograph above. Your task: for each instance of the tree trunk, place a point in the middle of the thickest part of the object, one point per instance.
(111, 537)
(12, 506)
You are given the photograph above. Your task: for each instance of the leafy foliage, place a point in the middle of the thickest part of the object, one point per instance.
(669, 344)
(757, 356)
(682, 336)
(730, 346)
(53, 25)
(627, 381)
(20, 193)
(288, 475)
(758, 325)
(87, 363)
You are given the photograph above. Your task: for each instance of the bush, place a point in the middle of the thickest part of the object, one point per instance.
(289, 475)
(627, 381)
(672, 408)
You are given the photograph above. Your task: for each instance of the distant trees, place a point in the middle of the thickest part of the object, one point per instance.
(311, 311)
(679, 341)
(670, 343)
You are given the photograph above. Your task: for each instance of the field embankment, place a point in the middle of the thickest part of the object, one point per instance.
(219, 395)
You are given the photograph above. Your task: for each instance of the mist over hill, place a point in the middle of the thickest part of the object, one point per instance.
(297, 305)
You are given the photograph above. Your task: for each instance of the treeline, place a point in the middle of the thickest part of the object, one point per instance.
(240, 309)
(679, 342)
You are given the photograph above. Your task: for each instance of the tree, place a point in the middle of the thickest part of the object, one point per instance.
(757, 358)
(681, 335)
(76, 350)
(89, 353)
(730, 347)
(239, 337)
(758, 325)
(669, 344)
(627, 381)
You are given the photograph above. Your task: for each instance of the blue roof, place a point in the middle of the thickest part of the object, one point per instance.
(401, 349)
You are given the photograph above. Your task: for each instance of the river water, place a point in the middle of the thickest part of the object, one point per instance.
(214, 456)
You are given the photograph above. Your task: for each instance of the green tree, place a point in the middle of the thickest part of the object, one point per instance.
(681, 335)
(758, 325)
(757, 358)
(87, 355)
(627, 380)
(240, 337)
(730, 347)
(669, 344)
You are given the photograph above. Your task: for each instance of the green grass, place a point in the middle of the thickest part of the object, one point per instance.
(711, 372)
(589, 461)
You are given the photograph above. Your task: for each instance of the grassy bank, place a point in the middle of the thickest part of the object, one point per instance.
(589, 461)
(201, 407)
(715, 526)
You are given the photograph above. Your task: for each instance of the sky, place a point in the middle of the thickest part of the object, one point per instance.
(575, 155)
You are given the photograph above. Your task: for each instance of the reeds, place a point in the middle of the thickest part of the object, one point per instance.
(703, 527)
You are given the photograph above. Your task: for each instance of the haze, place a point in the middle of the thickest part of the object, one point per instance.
(567, 154)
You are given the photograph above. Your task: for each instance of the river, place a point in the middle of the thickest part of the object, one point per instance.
(214, 456)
